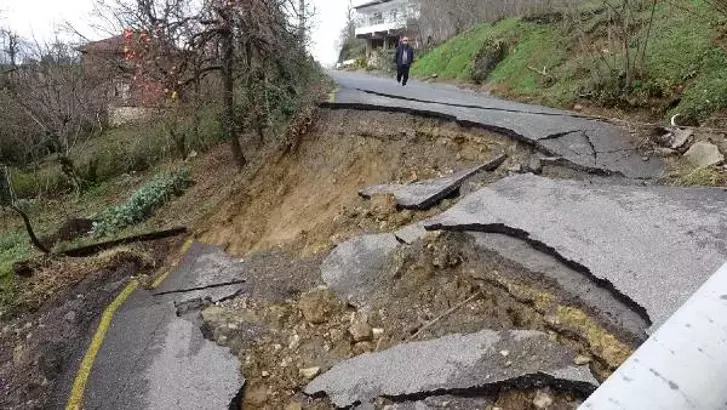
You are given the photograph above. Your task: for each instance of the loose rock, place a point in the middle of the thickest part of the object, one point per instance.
(581, 360)
(680, 137)
(309, 372)
(319, 305)
(360, 331)
(703, 154)
(542, 400)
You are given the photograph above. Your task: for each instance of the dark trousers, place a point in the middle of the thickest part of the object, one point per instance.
(402, 74)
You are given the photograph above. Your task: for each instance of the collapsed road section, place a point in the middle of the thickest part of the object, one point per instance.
(585, 144)
(155, 355)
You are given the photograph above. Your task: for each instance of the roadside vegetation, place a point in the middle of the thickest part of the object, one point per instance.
(215, 92)
(659, 58)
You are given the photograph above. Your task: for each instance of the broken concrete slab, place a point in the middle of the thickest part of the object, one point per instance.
(651, 246)
(446, 401)
(703, 154)
(202, 266)
(679, 137)
(539, 126)
(426, 194)
(453, 363)
(353, 269)
(153, 359)
(211, 294)
(581, 289)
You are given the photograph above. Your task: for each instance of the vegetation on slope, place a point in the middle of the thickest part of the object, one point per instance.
(677, 57)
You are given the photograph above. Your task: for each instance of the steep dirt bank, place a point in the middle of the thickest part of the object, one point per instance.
(309, 200)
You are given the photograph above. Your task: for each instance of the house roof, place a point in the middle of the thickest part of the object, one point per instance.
(113, 44)
(366, 3)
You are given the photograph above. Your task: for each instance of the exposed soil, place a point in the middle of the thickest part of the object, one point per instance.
(56, 312)
(278, 340)
(309, 200)
(291, 327)
(282, 216)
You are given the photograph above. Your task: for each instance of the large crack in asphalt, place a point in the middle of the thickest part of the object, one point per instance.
(191, 311)
(477, 125)
(212, 286)
(536, 380)
(543, 247)
(477, 107)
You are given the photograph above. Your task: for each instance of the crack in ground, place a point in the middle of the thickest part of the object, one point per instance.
(478, 107)
(471, 124)
(213, 286)
(543, 247)
(529, 381)
(558, 135)
(593, 147)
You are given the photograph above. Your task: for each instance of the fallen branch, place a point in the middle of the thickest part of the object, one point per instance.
(443, 315)
(544, 73)
(102, 246)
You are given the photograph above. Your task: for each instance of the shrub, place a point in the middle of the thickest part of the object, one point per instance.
(486, 59)
(141, 204)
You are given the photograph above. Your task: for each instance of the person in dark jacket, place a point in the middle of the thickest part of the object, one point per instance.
(403, 58)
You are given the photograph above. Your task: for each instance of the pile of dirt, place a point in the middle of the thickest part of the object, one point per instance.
(309, 200)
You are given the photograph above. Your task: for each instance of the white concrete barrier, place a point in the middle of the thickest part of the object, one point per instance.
(683, 365)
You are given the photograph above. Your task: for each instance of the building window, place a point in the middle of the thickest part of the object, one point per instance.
(377, 18)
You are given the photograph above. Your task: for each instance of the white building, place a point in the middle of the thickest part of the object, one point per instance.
(382, 22)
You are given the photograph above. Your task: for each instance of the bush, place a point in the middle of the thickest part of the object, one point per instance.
(141, 204)
(486, 59)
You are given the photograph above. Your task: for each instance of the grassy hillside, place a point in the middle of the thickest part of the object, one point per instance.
(575, 55)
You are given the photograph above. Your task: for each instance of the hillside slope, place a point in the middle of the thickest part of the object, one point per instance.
(576, 56)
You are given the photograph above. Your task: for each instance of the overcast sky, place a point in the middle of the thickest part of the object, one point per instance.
(43, 18)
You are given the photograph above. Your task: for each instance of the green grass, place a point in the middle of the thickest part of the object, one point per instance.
(537, 47)
(682, 60)
(14, 246)
(452, 59)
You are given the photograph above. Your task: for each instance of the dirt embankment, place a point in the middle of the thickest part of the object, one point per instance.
(309, 200)
(291, 327)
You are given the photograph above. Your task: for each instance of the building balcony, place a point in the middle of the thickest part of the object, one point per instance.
(377, 30)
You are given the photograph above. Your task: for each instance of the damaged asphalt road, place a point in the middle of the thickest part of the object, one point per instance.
(155, 355)
(581, 143)
(450, 364)
(651, 246)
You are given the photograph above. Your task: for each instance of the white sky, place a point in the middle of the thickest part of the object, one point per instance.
(43, 18)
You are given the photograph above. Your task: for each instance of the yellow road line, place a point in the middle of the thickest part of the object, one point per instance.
(159, 279)
(332, 94)
(75, 401)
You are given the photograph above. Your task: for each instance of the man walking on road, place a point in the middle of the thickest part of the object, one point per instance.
(403, 58)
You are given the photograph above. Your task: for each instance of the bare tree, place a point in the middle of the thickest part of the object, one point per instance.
(8, 200)
(248, 43)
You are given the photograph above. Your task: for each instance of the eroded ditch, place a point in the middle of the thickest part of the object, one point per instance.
(289, 326)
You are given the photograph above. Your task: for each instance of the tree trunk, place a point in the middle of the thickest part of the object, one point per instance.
(228, 96)
(34, 239)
